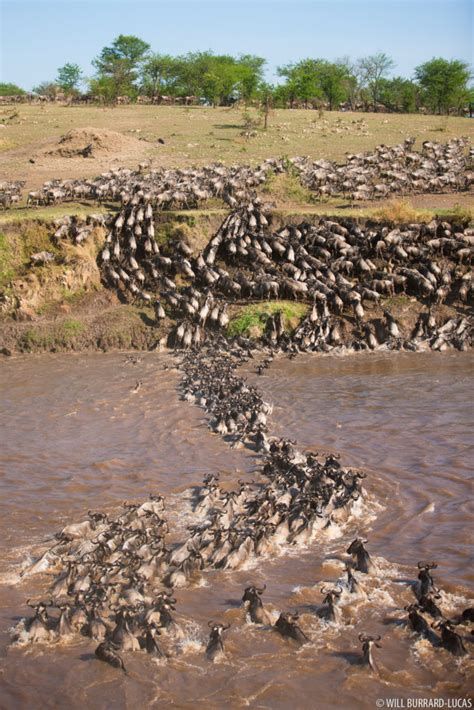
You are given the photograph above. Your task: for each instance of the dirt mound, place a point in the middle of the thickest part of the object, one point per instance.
(91, 142)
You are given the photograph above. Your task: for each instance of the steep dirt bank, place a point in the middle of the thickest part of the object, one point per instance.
(53, 297)
(61, 304)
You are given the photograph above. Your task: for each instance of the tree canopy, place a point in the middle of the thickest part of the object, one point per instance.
(118, 66)
(444, 83)
(7, 89)
(128, 67)
(373, 70)
(69, 77)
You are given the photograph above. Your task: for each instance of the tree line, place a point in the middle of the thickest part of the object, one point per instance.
(128, 68)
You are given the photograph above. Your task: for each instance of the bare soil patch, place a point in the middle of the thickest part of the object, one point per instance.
(91, 143)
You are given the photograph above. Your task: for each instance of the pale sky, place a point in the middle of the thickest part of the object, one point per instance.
(39, 36)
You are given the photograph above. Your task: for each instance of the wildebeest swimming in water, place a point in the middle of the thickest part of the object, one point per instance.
(425, 580)
(287, 626)
(255, 609)
(107, 652)
(368, 643)
(361, 556)
(329, 610)
(215, 645)
(450, 640)
(417, 622)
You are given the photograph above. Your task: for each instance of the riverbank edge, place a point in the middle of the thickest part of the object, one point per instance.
(65, 307)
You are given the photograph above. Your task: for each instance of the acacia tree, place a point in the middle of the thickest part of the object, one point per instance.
(444, 83)
(250, 75)
(47, 88)
(302, 80)
(69, 77)
(399, 94)
(265, 93)
(372, 70)
(118, 66)
(332, 79)
(160, 73)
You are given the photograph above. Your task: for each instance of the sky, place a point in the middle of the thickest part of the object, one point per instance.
(38, 36)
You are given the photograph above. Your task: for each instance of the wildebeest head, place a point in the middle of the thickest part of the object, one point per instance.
(253, 593)
(331, 594)
(426, 580)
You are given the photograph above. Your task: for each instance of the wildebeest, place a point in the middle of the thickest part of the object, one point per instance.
(416, 620)
(106, 651)
(450, 640)
(426, 583)
(215, 645)
(255, 609)
(287, 626)
(361, 556)
(368, 642)
(329, 608)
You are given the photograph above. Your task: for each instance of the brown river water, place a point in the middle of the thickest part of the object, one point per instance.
(75, 436)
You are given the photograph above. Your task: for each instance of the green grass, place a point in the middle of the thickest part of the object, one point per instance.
(72, 327)
(17, 243)
(52, 212)
(250, 320)
(7, 270)
(458, 213)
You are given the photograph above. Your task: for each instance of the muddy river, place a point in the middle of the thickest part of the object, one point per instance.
(76, 436)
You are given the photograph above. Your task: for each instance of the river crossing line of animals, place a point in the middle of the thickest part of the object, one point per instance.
(117, 576)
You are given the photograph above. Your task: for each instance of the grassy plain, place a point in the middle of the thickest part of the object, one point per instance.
(197, 136)
(64, 306)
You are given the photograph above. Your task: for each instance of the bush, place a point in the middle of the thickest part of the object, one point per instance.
(250, 320)
(11, 90)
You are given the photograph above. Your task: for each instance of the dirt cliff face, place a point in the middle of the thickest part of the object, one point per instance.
(55, 295)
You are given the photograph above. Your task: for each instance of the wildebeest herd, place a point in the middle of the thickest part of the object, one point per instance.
(116, 575)
(346, 271)
(397, 170)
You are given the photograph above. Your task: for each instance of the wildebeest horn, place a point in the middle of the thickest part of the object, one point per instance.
(211, 624)
(365, 637)
(427, 565)
(224, 628)
(260, 590)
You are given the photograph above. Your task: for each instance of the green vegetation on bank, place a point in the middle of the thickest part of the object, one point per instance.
(249, 320)
(18, 244)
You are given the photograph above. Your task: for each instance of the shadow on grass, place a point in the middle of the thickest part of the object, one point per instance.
(228, 125)
(150, 322)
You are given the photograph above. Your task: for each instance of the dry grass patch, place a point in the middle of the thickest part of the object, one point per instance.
(400, 211)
